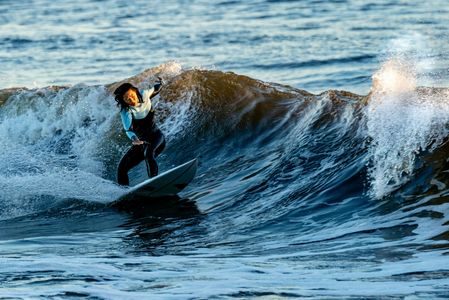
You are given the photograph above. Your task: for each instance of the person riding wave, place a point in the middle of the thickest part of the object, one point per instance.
(137, 115)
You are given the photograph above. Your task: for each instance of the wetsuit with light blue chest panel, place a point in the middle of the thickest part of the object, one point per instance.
(139, 124)
(132, 116)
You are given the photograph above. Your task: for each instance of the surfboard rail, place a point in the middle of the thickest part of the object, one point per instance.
(166, 184)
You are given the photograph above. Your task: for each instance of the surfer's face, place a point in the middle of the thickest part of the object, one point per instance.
(130, 97)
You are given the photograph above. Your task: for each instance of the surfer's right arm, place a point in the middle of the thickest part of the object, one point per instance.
(127, 120)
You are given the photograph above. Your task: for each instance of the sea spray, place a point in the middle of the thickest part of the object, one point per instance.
(402, 121)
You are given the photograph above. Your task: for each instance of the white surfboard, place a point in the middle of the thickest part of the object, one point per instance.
(167, 184)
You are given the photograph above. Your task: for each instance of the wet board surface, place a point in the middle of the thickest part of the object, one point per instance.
(167, 184)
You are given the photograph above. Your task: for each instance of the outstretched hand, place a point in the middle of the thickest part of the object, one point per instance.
(160, 80)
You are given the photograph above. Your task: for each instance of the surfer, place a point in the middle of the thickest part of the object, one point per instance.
(137, 114)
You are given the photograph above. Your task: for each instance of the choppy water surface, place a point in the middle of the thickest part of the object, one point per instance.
(320, 127)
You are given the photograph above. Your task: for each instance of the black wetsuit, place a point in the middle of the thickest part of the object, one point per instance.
(147, 131)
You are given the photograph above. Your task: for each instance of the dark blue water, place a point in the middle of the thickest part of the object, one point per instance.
(315, 45)
(320, 128)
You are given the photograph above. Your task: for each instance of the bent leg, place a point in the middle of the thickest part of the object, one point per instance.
(160, 146)
(152, 151)
(132, 158)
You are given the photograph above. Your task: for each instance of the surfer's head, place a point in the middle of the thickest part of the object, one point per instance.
(127, 95)
(130, 97)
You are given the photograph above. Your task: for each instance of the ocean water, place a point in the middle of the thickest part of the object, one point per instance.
(321, 129)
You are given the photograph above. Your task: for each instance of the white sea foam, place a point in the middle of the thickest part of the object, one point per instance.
(401, 121)
(51, 146)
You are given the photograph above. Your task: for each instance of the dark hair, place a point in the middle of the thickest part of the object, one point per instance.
(120, 92)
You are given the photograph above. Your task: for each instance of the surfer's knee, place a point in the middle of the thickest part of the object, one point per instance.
(149, 153)
(122, 176)
(160, 147)
(123, 164)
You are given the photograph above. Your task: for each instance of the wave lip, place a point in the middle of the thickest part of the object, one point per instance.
(403, 122)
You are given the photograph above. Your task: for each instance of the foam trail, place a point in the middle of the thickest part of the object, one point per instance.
(51, 143)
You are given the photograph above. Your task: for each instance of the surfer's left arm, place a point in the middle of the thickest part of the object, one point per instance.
(148, 94)
(157, 87)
